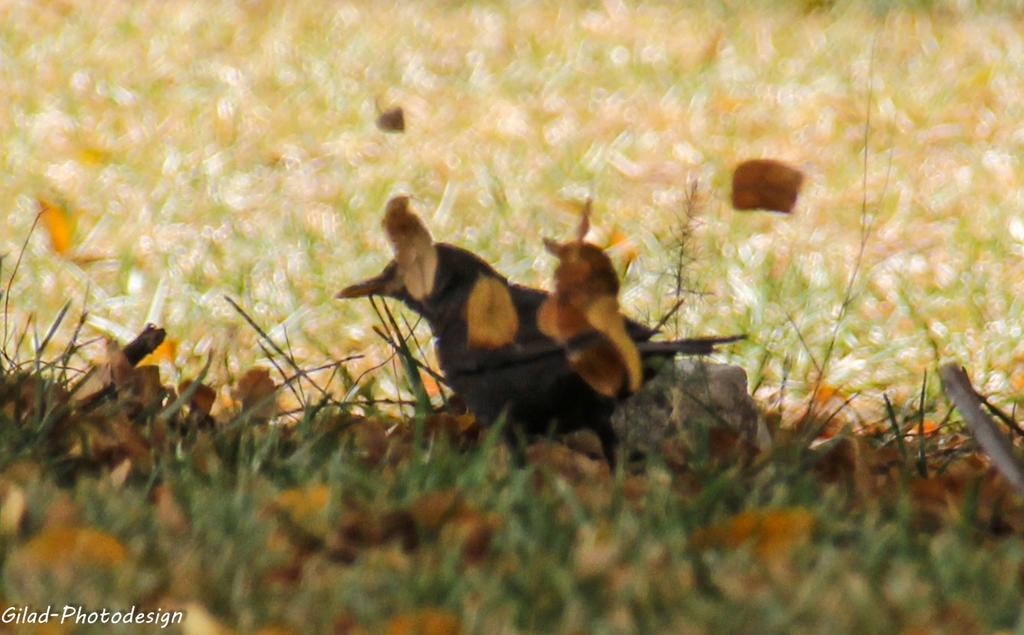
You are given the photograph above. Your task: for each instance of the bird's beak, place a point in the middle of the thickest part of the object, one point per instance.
(387, 282)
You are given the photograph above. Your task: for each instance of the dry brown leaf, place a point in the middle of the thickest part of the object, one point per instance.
(773, 532)
(474, 531)
(114, 370)
(491, 317)
(574, 467)
(360, 529)
(432, 509)
(202, 399)
(370, 439)
(392, 120)
(765, 184)
(460, 427)
(74, 546)
(425, 621)
(119, 439)
(414, 249)
(256, 390)
(142, 387)
(168, 512)
(26, 398)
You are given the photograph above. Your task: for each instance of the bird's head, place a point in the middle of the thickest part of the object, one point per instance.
(444, 283)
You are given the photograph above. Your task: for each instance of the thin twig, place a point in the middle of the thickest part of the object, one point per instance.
(277, 349)
(866, 225)
(10, 283)
(803, 343)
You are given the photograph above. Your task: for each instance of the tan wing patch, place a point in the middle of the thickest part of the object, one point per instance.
(491, 317)
(765, 184)
(414, 248)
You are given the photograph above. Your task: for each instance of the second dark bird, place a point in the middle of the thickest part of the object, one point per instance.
(546, 361)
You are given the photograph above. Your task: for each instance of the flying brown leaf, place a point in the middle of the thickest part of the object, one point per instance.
(73, 546)
(415, 253)
(765, 184)
(491, 317)
(392, 120)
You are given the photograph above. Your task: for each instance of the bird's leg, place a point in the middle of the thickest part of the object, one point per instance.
(609, 442)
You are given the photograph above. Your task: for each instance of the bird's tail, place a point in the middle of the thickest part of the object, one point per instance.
(693, 346)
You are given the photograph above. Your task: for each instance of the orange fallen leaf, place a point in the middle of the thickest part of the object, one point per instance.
(765, 184)
(774, 532)
(303, 503)
(165, 352)
(74, 546)
(93, 155)
(930, 427)
(426, 621)
(58, 225)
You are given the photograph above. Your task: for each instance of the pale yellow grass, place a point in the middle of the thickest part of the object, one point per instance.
(229, 148)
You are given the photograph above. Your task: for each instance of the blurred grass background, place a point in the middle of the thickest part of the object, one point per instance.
(204, 149)
(229, 148)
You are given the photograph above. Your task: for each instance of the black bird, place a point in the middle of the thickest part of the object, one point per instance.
(493, 352)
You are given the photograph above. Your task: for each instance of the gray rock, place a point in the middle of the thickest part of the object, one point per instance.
(687, 394)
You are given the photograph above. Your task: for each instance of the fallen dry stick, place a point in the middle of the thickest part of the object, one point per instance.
(958, 388)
